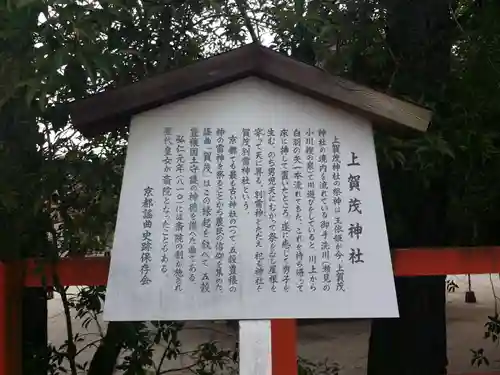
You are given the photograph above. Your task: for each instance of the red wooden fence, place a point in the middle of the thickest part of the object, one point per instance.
(94, 271)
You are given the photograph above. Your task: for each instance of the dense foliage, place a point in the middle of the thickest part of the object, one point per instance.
(58, 191)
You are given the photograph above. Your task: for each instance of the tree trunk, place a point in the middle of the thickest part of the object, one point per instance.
(418, 34)
(18, 130)
(34, 332)
(104, 360)
(414, 344)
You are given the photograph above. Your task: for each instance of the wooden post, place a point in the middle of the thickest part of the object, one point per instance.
(11, 284)
(255, 347)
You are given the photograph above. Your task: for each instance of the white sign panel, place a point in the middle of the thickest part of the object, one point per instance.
(250, 202)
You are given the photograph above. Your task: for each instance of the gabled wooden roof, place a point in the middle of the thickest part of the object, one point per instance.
(113, 108)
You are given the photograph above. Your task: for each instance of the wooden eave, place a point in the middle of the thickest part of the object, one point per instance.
(113, 108)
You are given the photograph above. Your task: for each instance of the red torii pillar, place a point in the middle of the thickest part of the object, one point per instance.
(11, 287)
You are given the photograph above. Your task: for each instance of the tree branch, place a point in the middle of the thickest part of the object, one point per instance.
(178, 369)
(88, 345)
(248, 23)
(164, 355)
(71, 351)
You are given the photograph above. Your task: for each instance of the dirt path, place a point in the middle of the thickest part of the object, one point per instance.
(346, 342)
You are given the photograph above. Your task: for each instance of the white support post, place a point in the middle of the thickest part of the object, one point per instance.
(255, 347)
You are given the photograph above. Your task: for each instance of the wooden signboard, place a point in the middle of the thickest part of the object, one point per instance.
(250, 192)
(250, 201)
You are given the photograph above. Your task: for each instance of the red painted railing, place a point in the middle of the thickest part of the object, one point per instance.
(94, 271)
